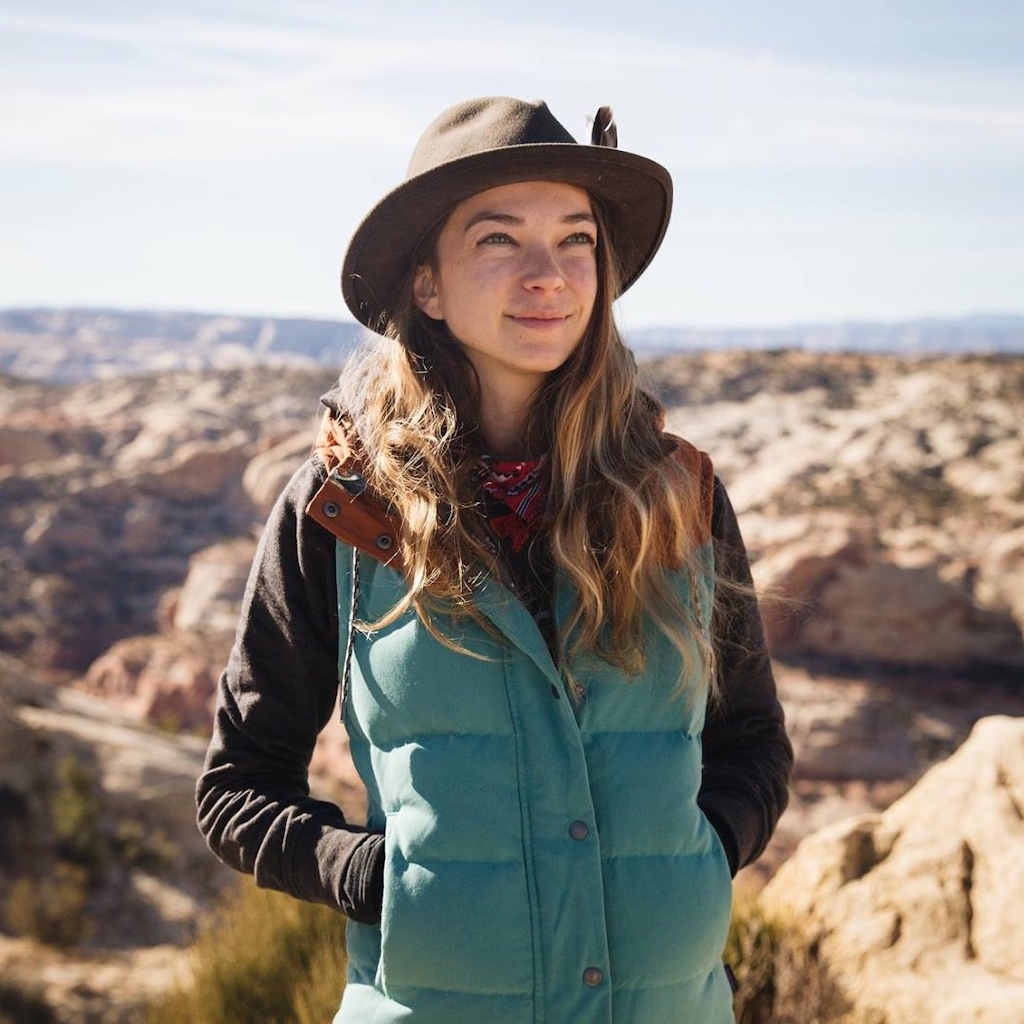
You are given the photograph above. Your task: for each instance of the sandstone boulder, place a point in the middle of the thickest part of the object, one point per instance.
(20, 446)
(169, 680)
(840, 593)
(209, 599)
(1000, 581)
(267, 473)
(198, 471)
(915, 912)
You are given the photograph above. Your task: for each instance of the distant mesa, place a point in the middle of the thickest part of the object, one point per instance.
(66, 345)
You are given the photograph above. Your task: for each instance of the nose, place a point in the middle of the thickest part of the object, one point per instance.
(542, 270)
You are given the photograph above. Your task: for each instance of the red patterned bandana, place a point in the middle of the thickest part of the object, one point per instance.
(516, 493)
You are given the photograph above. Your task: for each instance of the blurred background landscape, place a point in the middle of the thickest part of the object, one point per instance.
(876, 470)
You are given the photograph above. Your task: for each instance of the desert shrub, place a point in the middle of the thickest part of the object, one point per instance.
(169, 722)
(23, 1006)
(782, 978)
(51, 908)
(751, 950)
(138, 844)
(50, 904)
(15, 819)
(262, 958)
(75, 810)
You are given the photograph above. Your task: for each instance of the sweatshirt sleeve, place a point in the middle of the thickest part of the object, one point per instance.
(748, 757)
(278, 691)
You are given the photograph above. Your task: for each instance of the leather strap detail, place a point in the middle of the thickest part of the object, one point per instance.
(357, 520)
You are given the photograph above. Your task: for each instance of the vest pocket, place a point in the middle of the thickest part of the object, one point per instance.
(669, 914)
(459, 926)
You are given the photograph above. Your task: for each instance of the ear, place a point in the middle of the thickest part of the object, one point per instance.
(425, 294)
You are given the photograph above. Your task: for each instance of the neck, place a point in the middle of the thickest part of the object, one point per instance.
(503, 425)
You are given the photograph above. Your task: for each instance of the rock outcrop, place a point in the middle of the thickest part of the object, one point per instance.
(915, 912)
(838, 592)
(107, 494)
(169, 678)
(881, 499)
(99, 852)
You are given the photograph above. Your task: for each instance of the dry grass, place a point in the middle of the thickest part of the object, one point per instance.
(263, 958)
(782, 979)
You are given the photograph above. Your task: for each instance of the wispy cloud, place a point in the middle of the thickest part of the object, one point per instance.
(808, 178)
(212, 90)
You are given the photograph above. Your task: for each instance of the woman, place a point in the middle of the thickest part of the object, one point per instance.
(536, 603)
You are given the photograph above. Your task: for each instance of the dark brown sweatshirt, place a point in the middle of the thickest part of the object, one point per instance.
(280, 688)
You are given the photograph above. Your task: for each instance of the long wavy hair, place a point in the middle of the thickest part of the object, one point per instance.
(620, 516)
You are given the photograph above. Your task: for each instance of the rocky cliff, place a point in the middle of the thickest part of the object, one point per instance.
(915, 912)
(107, 489)
(85, 344)
(882, 498)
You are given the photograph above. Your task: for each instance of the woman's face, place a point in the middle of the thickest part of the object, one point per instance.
(515, 279)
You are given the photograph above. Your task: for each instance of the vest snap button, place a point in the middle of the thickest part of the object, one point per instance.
(331, 509)
(592, 977)
(384, 542)
(579, 830)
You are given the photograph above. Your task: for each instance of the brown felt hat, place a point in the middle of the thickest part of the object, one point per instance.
(493, 141)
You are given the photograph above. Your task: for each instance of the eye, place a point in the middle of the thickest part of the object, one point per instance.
(496, 238)
(581, 238)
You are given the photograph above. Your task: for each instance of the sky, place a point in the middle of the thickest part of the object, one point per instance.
(832, 160)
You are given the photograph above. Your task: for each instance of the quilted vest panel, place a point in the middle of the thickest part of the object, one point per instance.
(546, 860)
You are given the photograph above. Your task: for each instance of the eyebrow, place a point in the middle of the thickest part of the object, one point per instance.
(512, 221)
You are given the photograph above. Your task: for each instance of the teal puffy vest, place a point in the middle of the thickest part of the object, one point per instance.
(546, 860)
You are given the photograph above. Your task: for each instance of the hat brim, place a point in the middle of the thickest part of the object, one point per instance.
(636, 194)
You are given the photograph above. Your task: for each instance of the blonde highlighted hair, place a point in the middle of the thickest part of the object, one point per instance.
(621, 515)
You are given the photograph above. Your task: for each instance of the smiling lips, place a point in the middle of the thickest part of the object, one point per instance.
(540, 319)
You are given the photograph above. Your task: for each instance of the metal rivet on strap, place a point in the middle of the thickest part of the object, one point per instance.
(385, 542)
(331, 509)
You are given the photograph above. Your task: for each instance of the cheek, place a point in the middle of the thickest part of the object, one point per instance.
(586, 286)
(465, 306)
(474, 292)
(583, 274)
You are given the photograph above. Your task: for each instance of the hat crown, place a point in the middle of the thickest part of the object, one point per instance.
(477, 126)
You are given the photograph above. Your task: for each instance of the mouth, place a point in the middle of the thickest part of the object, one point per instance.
(540, 319)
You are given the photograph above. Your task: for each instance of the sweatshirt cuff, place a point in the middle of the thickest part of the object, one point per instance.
(362, 884)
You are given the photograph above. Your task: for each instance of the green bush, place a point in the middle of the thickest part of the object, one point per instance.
(138, 844)
(51, 908)
(75, 809)
(263, 958)
(49, 904)
(782, 979)
(23, 1006)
